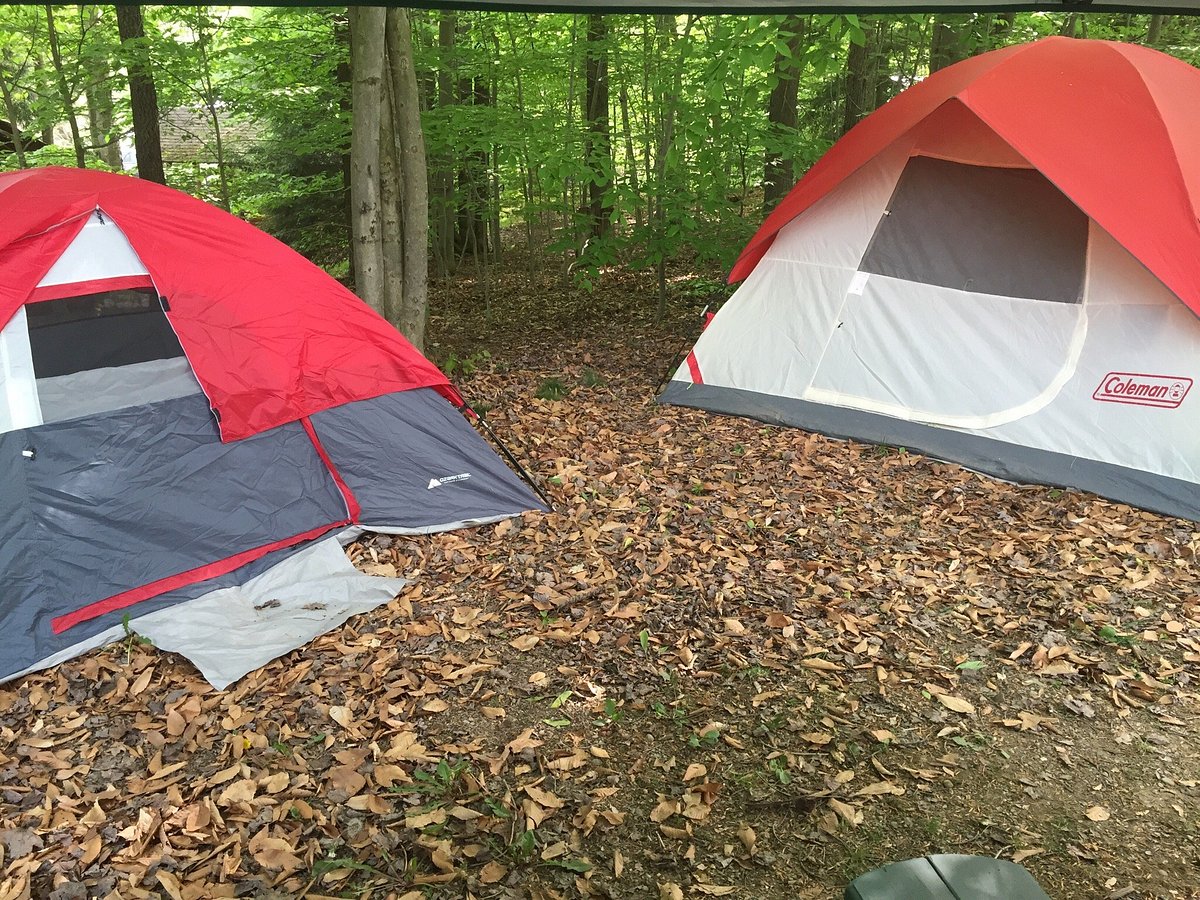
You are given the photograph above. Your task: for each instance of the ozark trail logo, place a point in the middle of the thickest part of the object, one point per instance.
(447, 479)
(1163, 391)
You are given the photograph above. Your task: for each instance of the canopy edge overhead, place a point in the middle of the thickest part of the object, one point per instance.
(763, 7)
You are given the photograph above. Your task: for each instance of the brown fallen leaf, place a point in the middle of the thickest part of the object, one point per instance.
(694, 771)
(492, 872)
(1098, 814)
(957, 704)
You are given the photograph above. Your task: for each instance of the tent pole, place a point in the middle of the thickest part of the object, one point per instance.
(679, 356)
(528, 479)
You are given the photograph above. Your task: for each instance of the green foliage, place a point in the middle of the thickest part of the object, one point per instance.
(552, 388)
(503, 112)
(132, 639)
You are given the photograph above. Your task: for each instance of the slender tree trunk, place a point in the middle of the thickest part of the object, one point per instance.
(526, 166)
(779, 173)
(341, 37)
(443, 164)
(472, 212)
(367, 68)
(413, 312)
(1070, 25)
(100, 106)
(948, 42)
(667, 141)
(10, 109)
(391, 229)
(859, 90)
(211, 101)
(143, 97)
(100, 119)
(1154, 33)
(64, 90)
(597, 147)
(631, 162)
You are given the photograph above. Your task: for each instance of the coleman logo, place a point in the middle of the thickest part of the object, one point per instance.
(447, 479)
(1165, 391)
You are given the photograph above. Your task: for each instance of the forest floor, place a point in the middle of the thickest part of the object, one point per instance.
(736, 661)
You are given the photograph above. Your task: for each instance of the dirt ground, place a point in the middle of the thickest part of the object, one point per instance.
(736, 660)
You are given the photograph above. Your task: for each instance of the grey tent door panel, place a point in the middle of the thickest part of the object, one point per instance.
(98, 507)
(981, 229)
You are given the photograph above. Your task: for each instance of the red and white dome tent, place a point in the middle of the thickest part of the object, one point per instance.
(186, 405)
(1000, 267)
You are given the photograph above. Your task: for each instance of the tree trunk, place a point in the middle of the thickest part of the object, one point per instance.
(413, 310)
(667, 141)
(1154, 33)
(597, 146)
(64, 90)
(391, 231)
(779, 172)
(367, 67)
(10, 109)
(143, 97)
(100, 120)
(211, 105)
(631, 163)
(948, 43)
(860, 86)
(100, 106)
(471, 228)
(1070, 25)
(341, 37)
(443, 164)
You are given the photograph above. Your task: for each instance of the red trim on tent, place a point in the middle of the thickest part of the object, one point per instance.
(1113, 126)
(93, 286)
(694, 367)
(172, 582)
(352, 505)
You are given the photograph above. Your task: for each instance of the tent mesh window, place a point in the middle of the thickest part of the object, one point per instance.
(981, 229)
(97, 331)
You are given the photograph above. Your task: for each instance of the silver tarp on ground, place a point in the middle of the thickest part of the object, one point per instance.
(232, 631)
(92, 508)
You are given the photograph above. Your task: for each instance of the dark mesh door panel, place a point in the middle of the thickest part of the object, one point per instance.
(983, 230)
(98, 331)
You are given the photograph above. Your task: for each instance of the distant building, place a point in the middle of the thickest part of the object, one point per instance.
(28, 142)
(188, 136)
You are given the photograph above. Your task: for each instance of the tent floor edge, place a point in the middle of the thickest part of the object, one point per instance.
(988, 456)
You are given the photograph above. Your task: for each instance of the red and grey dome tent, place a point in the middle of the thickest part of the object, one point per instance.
(1000, 267)
(185, 401)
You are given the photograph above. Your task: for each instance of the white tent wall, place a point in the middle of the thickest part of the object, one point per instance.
(19, 406)
(100, 250)
(807, 328)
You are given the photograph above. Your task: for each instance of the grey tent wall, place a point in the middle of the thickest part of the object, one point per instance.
(1157, 493)
(428, 441)
(112, 502)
